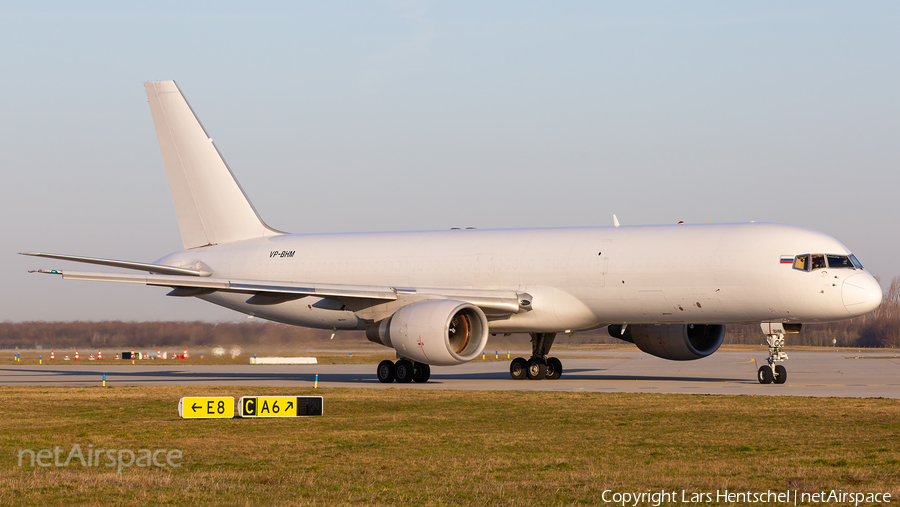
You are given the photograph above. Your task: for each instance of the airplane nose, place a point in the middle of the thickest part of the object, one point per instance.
(861, 294)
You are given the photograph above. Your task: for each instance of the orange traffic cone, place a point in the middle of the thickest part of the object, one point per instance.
(76, 354)
(52, 358)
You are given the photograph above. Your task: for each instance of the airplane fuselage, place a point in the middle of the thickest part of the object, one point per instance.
(577, 278)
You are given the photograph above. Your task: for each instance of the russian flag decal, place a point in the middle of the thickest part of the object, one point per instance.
(787, 259)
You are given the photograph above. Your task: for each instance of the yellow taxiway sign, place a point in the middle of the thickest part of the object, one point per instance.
(206, 407)
(279, 406)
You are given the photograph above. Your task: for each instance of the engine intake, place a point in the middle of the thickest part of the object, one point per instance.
(441, 332)
(678, 342)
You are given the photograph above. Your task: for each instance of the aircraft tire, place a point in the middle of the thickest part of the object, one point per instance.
(385, 372)
(421, 373)
(554, 368)
(537, 369)
(780, 374)
(518, 369)
(403, 371)
(764, 374)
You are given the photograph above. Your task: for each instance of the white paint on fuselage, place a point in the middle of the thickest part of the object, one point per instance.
(579, 278)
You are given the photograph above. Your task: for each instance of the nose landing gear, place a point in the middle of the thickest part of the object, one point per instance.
(538, 366)
(772, 373)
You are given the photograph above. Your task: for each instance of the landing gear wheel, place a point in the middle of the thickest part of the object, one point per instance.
(775, 339)
(554, 368)
(780, 374)
(421, 372)
(385, 371)
(518, 368)
(537, 369)
(403, 370)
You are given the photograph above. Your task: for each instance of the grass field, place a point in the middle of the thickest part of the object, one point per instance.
(414, 447)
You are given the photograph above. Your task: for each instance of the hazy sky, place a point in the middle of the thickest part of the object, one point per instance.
(363, 116)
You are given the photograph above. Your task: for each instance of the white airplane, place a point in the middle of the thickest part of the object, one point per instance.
(436, 296)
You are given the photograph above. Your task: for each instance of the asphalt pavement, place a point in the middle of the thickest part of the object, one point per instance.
(841, 373)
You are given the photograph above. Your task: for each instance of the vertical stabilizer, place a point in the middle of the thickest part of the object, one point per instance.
(210, 205)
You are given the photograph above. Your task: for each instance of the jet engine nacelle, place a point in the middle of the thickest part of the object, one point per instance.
(679, 342)
(441, 332)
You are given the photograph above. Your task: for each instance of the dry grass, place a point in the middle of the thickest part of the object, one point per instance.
(395, 446)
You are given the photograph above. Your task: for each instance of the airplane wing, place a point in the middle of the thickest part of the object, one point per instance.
(265, 292)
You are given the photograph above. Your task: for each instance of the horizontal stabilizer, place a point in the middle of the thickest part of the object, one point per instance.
(140, 266)
(223, 284)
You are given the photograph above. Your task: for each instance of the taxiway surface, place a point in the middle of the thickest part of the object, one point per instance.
(840, 373)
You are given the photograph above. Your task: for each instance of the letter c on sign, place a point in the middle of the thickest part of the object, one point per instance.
(155, 461)
(603, 496)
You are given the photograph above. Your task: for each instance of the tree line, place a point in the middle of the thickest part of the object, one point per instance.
(120, 334)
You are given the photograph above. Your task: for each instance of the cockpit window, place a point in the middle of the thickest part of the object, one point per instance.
(818, 261)
(839, 261)
(810, 262)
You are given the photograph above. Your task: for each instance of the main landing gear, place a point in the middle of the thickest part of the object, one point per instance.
(771, 372)
(539, 366)
(403, 371)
